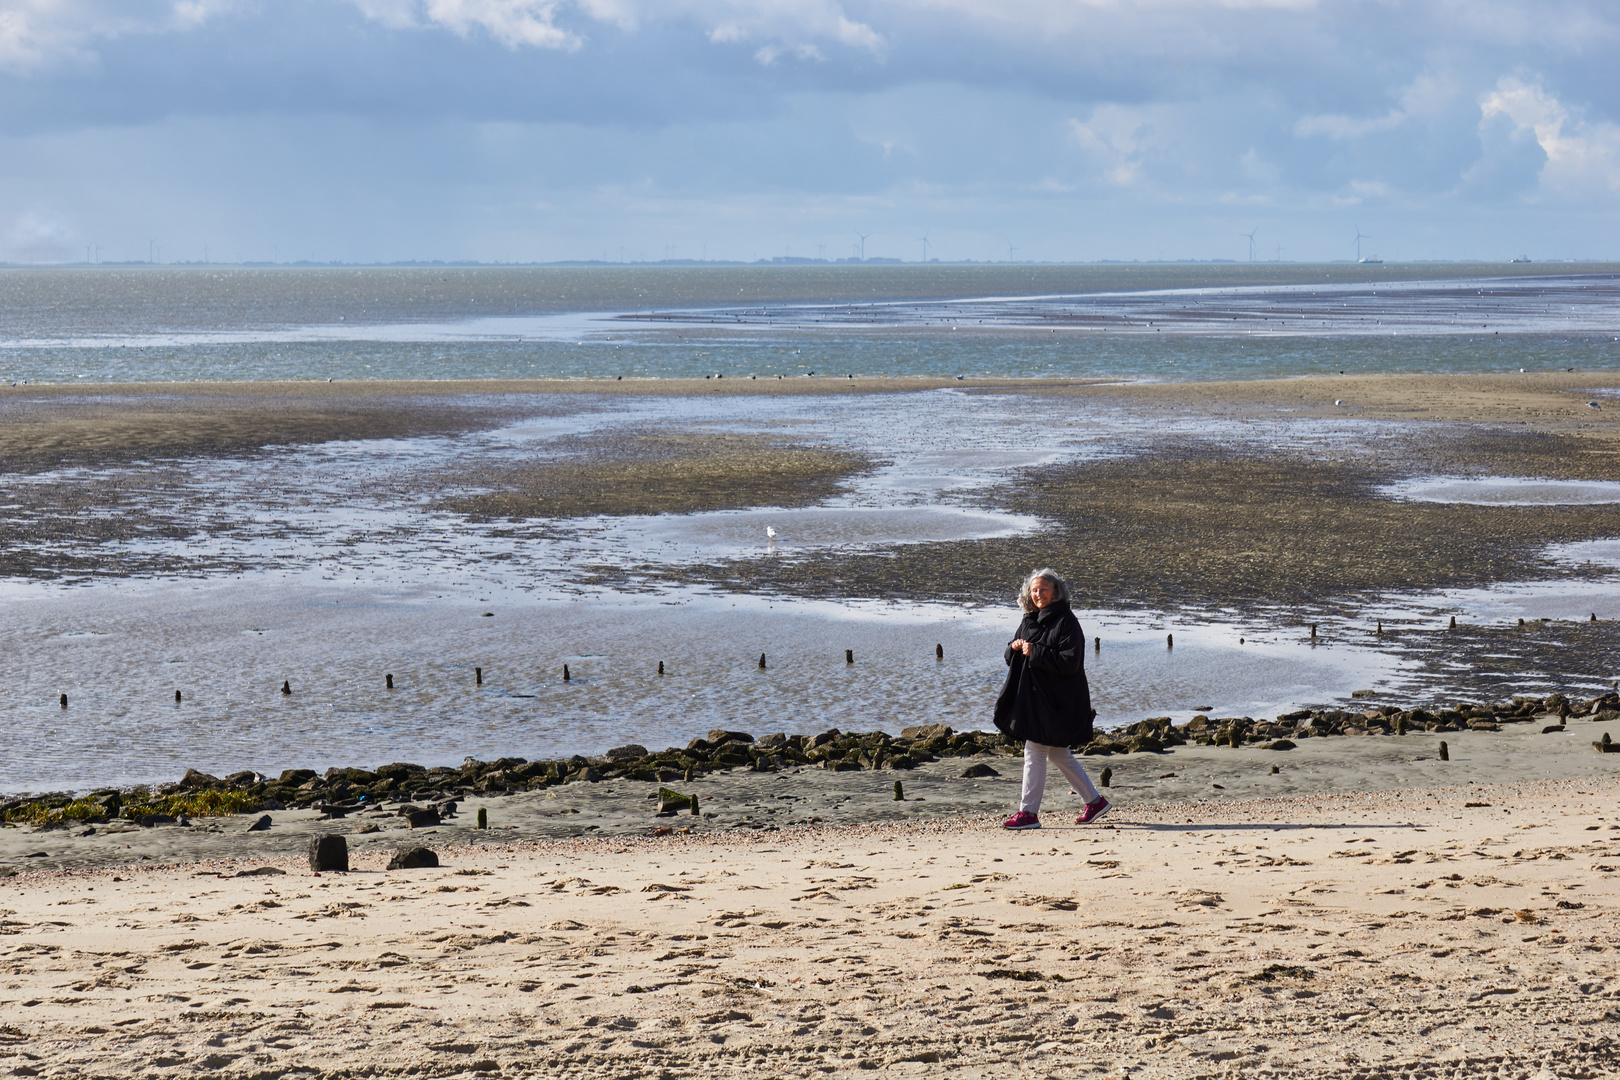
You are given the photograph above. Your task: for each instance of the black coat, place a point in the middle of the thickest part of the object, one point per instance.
(1046, 699)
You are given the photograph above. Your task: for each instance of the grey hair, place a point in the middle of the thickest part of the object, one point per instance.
(1059, 586)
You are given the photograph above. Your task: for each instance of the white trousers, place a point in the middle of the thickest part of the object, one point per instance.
(1036, 755)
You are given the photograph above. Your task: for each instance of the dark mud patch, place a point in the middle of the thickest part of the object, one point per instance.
(37, 435)
(665, 473)
(1204, 526)
(1539, 454)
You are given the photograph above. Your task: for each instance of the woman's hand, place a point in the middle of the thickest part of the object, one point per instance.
(1018, 645)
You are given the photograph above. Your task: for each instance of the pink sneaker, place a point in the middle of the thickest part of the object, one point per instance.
(1022, 820)
(1093, 811)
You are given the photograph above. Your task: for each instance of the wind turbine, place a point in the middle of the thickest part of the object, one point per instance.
(1250, 235)
(1010, 250)
(924, 239)
(863, 237)
(1360, 236)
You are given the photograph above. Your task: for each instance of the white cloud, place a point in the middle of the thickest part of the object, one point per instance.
(1427, 96)
(513, 23)
(778, 28)
(36, 238)
(1582, 155)
(1119, 137)
(36, 34)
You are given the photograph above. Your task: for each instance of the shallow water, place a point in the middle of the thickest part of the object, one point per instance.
(120, 651)
(1504, 491)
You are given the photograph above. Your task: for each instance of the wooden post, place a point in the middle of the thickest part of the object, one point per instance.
(566, 676)
(762, 661)
(1445, 754)
(660, 667)
(478, 676)
(1169, 641)
(64, 701)
(899, 792)
(177, 697)
(483, 818)
(286, 686)
(390, 680)
(939, 652)
(1107, 778)
(849, 656)
(1096, 644)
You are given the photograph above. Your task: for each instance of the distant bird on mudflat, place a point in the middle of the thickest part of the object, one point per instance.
(1594, 405)
(770, 532)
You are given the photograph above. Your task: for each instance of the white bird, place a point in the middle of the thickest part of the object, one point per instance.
(770, 532)
(1338, 401)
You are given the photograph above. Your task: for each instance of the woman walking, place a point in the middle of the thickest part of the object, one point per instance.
(1047, 701)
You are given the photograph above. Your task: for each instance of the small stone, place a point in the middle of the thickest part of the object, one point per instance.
(369, 827)
(262, 871)
(328, 853)
(413, 858)
(423, 819)
(262, 825)
(973, 772)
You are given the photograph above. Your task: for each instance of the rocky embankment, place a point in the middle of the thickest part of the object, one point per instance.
(1161, 733)
(339, 791)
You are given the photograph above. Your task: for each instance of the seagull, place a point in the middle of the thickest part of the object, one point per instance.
(1594, 405)
(1338, 401)
(770, 532)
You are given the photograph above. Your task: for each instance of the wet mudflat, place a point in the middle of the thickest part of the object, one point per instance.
(1234, 516)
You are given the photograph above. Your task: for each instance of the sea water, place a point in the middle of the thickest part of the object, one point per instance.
(1148, 322)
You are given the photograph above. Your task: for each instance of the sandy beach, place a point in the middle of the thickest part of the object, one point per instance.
(1441, 932)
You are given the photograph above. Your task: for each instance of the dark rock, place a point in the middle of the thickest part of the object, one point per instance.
(297, 776)
(422, 819)
(245, 778)
(262, 825)
(981, 769)
(927, 732)
(261, 871)
(671, 802)
(328, 853)
(398, 771)
(146, 821)
(632, 752)
(719, 736)
(413, 858)
(197, 781)
(1280, 744)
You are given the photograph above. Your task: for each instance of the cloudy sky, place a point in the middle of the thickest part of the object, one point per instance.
(373, 130)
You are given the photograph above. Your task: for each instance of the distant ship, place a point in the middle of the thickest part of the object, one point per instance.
(1521, 258)
(1373, 259)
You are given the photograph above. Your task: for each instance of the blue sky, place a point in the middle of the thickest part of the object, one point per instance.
(374, 130)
